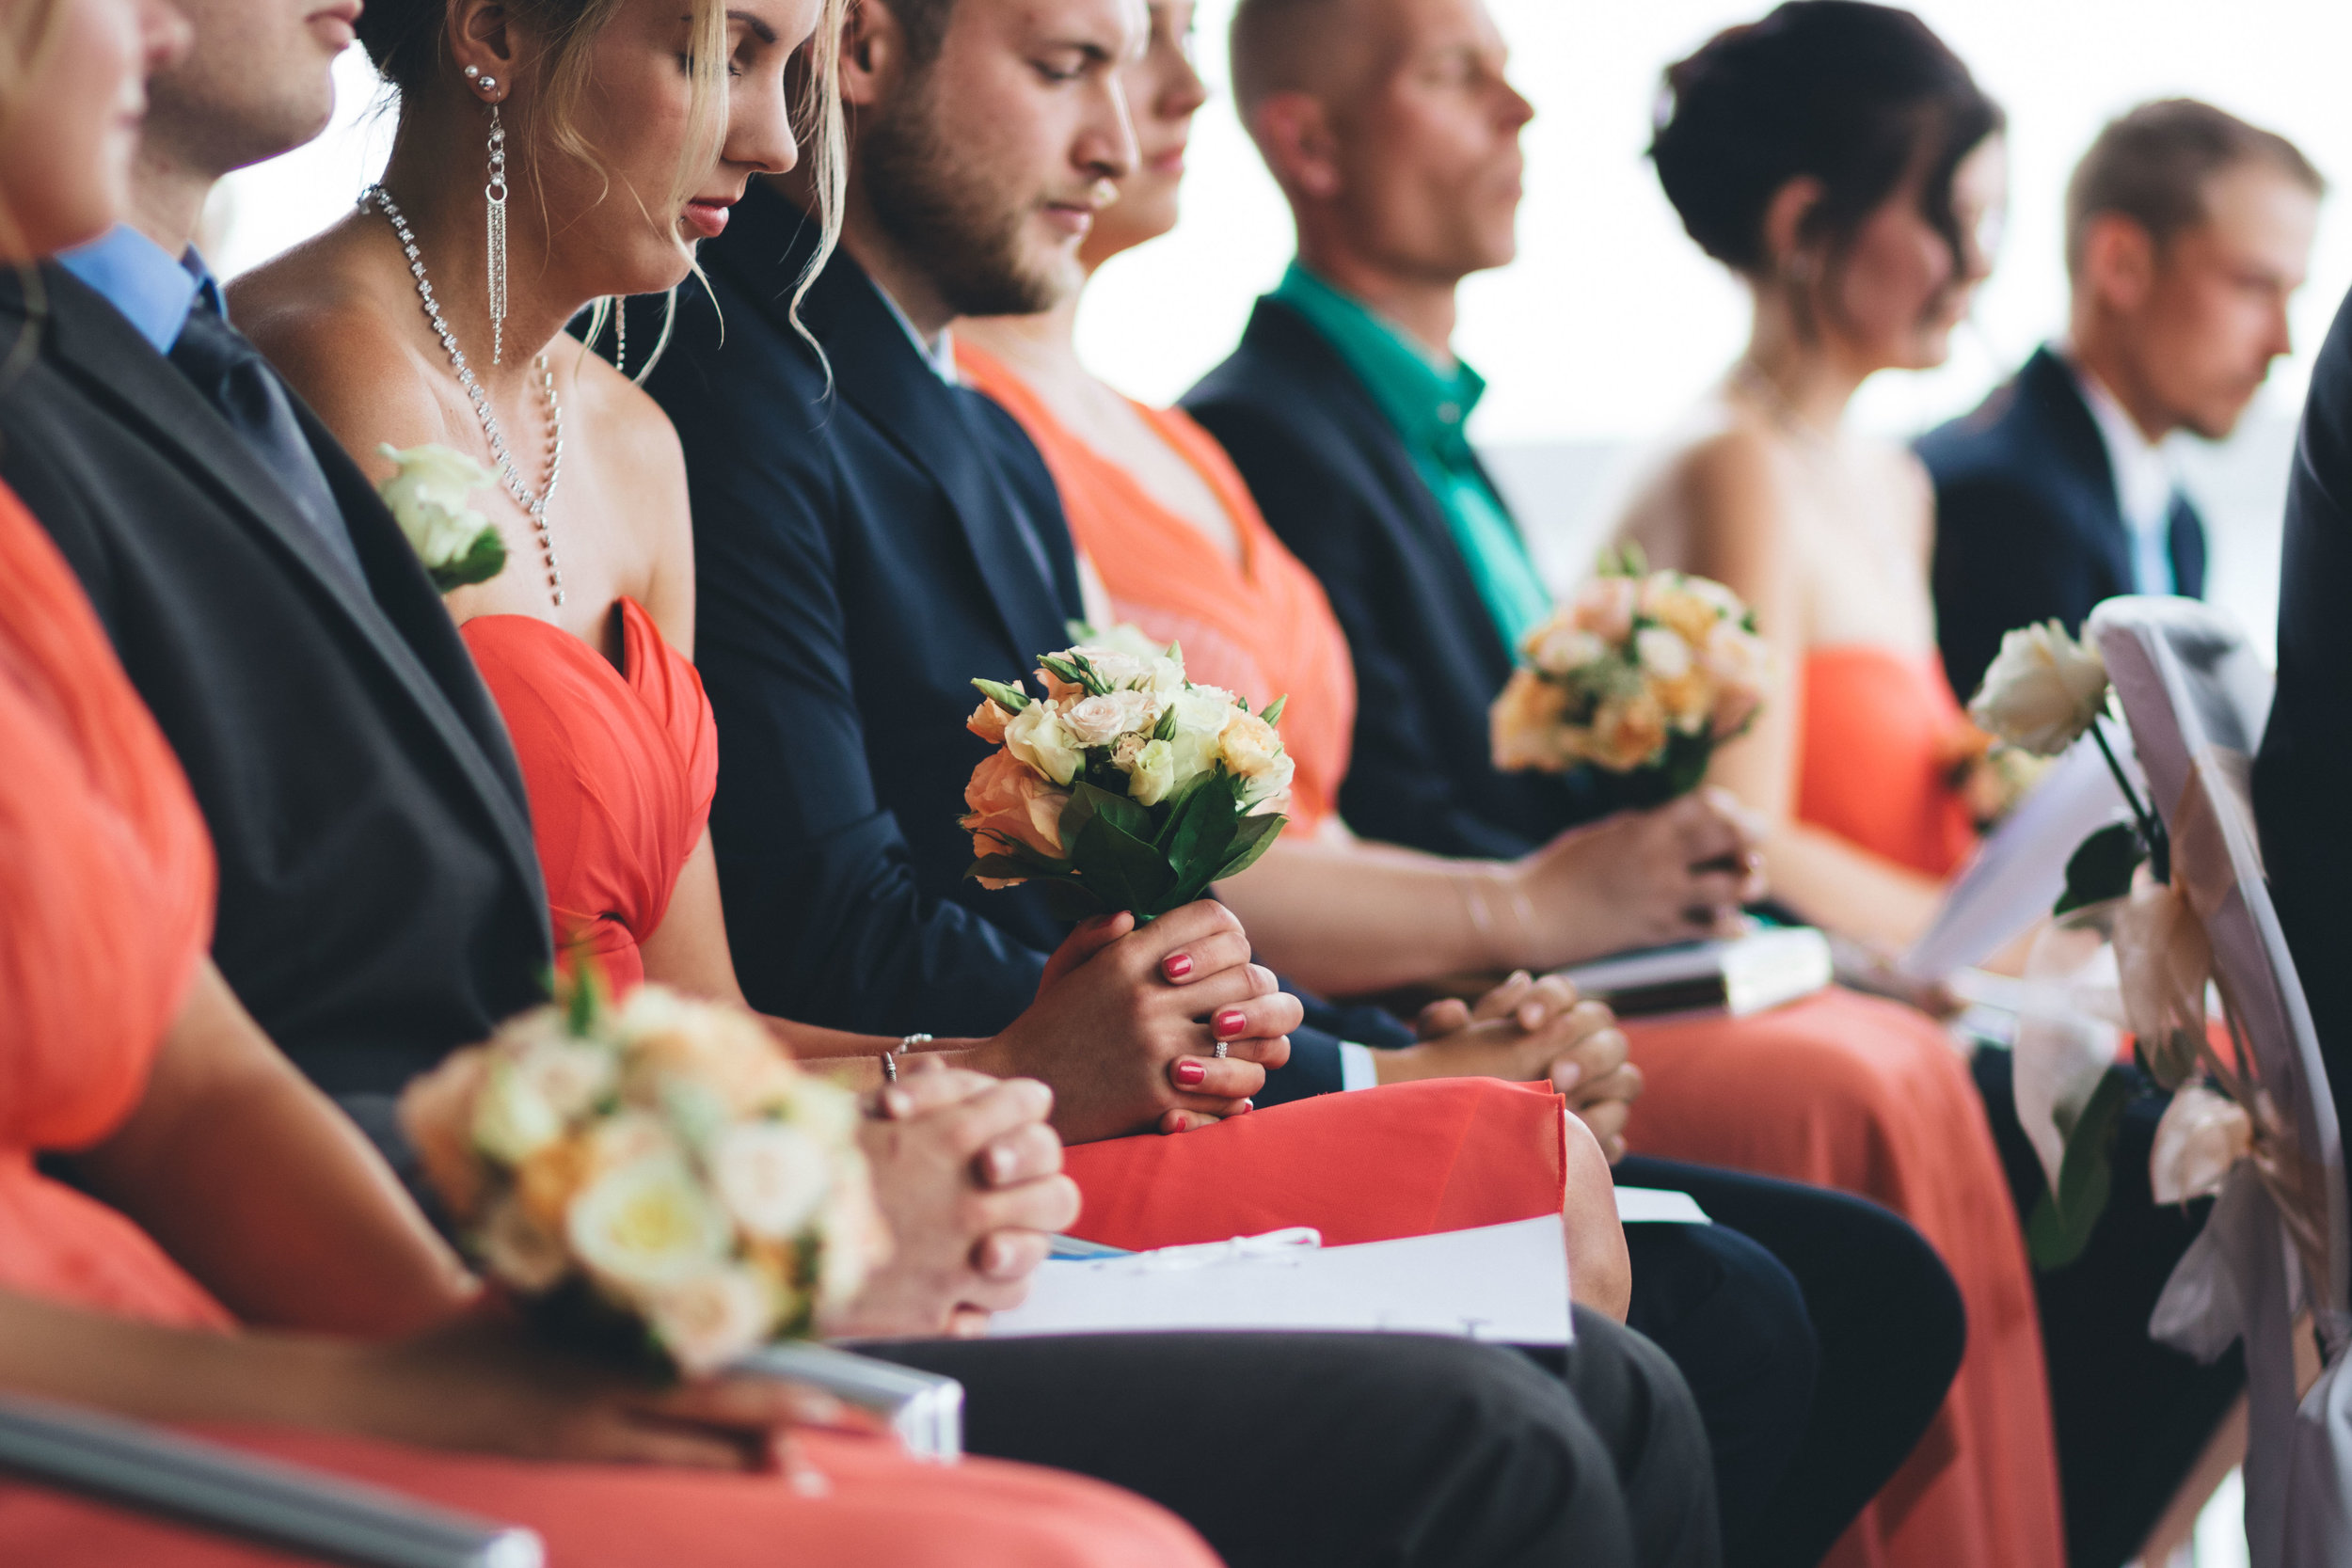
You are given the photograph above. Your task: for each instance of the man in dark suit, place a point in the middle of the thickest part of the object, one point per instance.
(2188, 232)
(2304, 774)
(380, 900)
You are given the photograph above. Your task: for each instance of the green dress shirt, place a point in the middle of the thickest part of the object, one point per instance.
(1427, 405)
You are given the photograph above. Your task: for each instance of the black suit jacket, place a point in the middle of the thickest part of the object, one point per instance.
(862, 552)
(380, 900)
(2028, 526)
(2303, 778)
(1337, 484)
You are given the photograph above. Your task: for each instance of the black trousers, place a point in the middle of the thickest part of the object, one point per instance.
(1813, 1402)
(1347, 1450)
(2132, 1414)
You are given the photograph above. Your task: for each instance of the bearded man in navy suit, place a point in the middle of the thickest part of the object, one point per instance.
(2187, 232)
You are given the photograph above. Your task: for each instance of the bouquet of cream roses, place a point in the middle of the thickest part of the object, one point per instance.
(1642, 673)
(655, 1179)
(428, 499)
(1127, 786)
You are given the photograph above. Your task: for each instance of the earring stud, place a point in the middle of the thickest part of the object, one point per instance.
(473, 71)
(489, 84)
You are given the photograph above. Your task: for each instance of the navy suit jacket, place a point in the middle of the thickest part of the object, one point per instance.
(1339, 488)
(2303, 779)
(380, 900)
(2028, 526)
(862, 552)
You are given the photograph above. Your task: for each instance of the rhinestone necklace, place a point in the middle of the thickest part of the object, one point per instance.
(535, 504)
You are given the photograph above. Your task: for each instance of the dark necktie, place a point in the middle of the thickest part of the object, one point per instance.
(232, 374)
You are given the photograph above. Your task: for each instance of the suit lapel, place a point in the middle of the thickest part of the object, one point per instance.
(876, 369)
(92, 343)
(2050, 387)
(1287, 338)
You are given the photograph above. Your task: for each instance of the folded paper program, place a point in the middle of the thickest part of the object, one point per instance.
(1499, 1282)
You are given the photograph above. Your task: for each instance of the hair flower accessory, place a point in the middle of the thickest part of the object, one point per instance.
(655, 1179)
(429, 498)
(1126, 786)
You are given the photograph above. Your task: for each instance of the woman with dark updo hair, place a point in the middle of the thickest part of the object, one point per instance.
(1842, 163)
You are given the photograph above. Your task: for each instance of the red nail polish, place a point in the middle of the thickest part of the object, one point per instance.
(1177, 967)
(1231, 1021)
(1191, 1074)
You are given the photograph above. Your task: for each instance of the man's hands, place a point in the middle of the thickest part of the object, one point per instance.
(1527, 1029)
(969, 1177)
(1637, 880)
(1126, 1022)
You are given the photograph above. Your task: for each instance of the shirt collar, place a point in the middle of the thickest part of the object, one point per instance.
(1427, 403)
(2143, 468)
(141, 279)
(939, 353)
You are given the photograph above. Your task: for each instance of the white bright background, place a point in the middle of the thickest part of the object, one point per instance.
(1611, 322)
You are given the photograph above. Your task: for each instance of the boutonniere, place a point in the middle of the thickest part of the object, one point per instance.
(428, 499)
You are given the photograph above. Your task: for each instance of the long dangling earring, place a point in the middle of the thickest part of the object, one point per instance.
(620, 333)
(494, 197)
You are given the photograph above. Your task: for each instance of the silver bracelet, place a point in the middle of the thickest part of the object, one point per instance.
(890, 1058)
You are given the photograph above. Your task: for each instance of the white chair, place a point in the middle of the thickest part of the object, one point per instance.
(2196, 697)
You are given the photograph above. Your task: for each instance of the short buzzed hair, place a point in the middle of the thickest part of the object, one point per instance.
(2151, 166)
(1270, 44)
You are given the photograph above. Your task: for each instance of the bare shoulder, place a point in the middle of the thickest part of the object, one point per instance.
(330, 329)
(1730, 479)
(629, 423)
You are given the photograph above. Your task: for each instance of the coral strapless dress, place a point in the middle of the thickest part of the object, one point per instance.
(620, 766)
(98, 834)
(1869, 1097)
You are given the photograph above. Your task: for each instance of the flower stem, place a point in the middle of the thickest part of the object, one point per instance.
(2151, 831)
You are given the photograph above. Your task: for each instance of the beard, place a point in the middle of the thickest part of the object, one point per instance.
(943, 212)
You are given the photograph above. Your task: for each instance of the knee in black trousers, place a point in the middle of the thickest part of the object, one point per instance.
(1363, 1451)
(1889, 1326)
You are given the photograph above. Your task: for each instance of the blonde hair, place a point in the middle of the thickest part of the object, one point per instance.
(27, 40)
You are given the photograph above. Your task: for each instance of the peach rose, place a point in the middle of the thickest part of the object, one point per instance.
(1628, 732)
(1526, 724)
(987, 721)
(1668, 600)
(1605, 607)
(1009, 801)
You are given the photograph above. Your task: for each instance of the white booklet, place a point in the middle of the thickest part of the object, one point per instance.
(1763, 969)
(2017, 874)
(1499, 1282)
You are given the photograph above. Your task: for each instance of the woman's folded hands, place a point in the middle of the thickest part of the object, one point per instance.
(1127, 1022)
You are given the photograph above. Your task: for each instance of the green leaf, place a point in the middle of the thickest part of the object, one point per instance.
(2101, 867)
(1166, 728)
(484, 559)
(1068, 899)
(1273, 714)
(2062, 1220)
(1124, 871)
(1252, 837)
(1011, 698)
(1121, 810)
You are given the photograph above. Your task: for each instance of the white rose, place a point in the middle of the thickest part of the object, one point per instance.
(709, 1319)
(428, 499)
(1200, 714)
(517, 1251)
(1605, 606)
(2199, 1138)
(512, 1119)
(1036, 737)
(628, 1139)
(1563, 648)
(771, 1175)
(1662, 653)
(1101, 721)
(1152, 773)
(647, 1226)
(2042, 691)
(1144, 664)
(569, 1076)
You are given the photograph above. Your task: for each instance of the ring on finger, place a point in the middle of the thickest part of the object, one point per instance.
(1221, 1050)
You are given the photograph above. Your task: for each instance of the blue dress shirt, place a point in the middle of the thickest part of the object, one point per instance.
(151, 288)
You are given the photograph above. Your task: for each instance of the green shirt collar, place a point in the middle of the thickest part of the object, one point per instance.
(1426, 404)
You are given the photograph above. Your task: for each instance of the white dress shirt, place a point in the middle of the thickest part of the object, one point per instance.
(2144, 486)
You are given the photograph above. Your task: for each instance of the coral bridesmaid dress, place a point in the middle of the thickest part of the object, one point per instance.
(620, 766)
(1840, 1090)
(105, 907)
(1868, 1096)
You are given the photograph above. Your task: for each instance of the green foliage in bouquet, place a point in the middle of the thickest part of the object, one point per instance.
(1127, 787)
